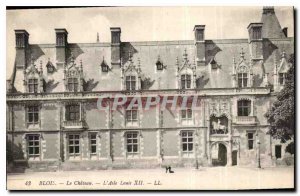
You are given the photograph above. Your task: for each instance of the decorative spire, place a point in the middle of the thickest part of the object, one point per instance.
(233, 65)
(41, 66)
(32, 60)
(185, 55)
(177, 62)
(72, 58)
(283, 55)
(242, 54)
(130, 56)
(81, 64)
(97, 37)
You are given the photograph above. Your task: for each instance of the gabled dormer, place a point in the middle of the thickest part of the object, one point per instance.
(131, 75)
(281, 71)
(186, 73)
(242, 73)
(104, 66)
(73, 76)
(33, 78)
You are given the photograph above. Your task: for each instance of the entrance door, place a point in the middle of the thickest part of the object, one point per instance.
(234, 157)
(219, 157)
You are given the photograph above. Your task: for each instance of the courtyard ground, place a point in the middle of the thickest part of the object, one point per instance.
(213, 178)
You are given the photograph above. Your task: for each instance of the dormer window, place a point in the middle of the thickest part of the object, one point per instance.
(50, 67)
(242, 80)
(159, 64)
(282, 77)
(185, 81)
(130, 83)
(104, 66)
(73, 84)
(33, 85)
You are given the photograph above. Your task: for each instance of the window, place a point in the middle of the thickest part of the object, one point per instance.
(250, 140)
(132, 142)
(278, 151)
(187, 115)
(33, 85)
(130, 83)
(282, 77)
(244, 108)
(256, 33)
(104, 68)
(131, 116)
(185, 81)
(242, 79)
(33, 146)
(33, 114)
(74, 145)
(187, 141)
(73, 84)
(72, 112)
(93, 143)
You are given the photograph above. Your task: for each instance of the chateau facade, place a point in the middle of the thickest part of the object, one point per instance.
(54, 121)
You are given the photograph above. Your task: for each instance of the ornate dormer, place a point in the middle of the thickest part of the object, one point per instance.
(131, 75)
(33, 78)
(50, 67)
(280, 71)
(104, 66)
(242, 72)
(159, 64)
(73, 76)
(186, 73)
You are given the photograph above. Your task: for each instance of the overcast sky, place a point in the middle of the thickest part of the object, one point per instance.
(137, 23)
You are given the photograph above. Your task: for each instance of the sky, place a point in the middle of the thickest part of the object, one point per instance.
(137, 24)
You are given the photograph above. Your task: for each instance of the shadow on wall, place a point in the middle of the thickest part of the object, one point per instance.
(36, 52)
(75, 50)
(212, 51)
(201, 81)
(50, 85)
(13, 152)
(268, 48)
(126, 48)
(257, 80)
(146, 83)
(89, 85)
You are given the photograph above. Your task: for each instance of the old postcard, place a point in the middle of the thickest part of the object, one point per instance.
(150, 98)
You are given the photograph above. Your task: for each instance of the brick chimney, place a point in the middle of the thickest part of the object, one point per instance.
(115, 47)
(22, 48)
(200, 44)
(255, 41)
(61, 46)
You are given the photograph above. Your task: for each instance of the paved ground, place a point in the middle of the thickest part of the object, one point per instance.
(183, 178)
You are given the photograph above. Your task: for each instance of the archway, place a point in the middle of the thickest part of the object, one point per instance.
(219, 154)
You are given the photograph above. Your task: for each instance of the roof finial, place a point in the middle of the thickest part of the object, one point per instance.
(242, 53)
(185, 54)
(283, 55)
(130, 56)
(41, 66)
(81, 64)
(97, 37)
(72, 58)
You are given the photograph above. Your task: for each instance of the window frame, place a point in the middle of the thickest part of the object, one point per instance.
(250, 140)
(76, 113)
(186, 81)
(242, 79)
(73, 84)
(186, 116)
(132, 144)
(245, 109)
(73, 146)
(131, 120)
(34, 146)
(33, 112)
(91, 144)
(33, 85)
(281, 78)
(186, 135)
(131, 82)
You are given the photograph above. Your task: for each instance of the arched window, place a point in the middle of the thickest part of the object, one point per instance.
(244, 108)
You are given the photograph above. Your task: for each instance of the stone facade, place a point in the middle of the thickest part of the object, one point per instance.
(53, 120)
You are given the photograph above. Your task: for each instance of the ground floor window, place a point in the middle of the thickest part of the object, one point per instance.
(187, 140)
(74, 145)
(93, 143)
(278, 151)
(132, 142)
(33, 146)
(250, 140)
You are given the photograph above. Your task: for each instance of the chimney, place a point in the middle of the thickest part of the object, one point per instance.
(115, 47)
(61, 46)
(285, 31)
(268, 10)
(255, 41)
(22, 46)
(200, 44)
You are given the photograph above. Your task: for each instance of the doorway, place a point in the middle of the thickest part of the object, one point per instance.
(234, 157)
(221, 159)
